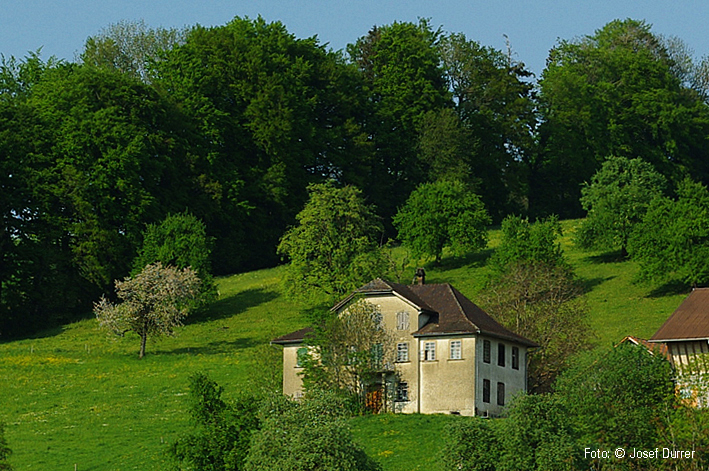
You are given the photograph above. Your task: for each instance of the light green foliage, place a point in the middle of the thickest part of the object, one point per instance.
(613, 93)
(348, 351)
(181, 241)
(130, 47)
(672, 243)
(442, 214)
(5, 450)
(222, 438)
(153, 303)
(527, 242)
(306, 435)
(333, 248)
(616, 200)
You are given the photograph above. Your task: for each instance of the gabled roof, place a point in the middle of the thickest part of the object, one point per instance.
(690, 321)
(451, 312)
(294, 337)
(659, 348)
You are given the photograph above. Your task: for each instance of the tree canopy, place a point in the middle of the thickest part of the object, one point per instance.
(442, 214)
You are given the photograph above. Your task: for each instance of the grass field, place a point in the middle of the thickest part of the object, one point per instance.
(75, 396)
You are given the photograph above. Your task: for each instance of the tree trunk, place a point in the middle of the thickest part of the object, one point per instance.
(143, 340)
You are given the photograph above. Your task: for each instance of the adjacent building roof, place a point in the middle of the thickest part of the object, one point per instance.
(451, 312)
(659, 348)
(690, 321)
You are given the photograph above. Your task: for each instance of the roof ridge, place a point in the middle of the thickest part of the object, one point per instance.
(460, 306)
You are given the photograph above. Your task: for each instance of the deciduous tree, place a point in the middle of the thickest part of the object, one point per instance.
(442, 214)
(616, 200)
(153, 303)
(333, 249)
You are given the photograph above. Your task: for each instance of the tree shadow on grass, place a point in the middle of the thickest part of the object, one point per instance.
(588, 284)
(671, 288)
(233, 305)
(615, 256)
(212, 348)
(476, 259)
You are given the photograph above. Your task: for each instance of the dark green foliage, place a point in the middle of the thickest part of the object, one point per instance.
(401, 67)
(616, 201)
(306, 435)
(5, 451)
(673, 240)
(496, 113)
(333, 249)
(273, 113)
(622, 397)
(471, 445)
(181, 241)
(613, 93)
(223, 430)
(523, 241)
(442, 214)
(537, 434)
(618, 397)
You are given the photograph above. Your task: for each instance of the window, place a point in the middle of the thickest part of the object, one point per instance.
(429, 351)
(301, 356)
(515, 358)
(402, 352)
(402, 321)
(500, 394)
(486, 391)
(456, 350)
(486, 351)
(500, 354)
(377, 355)
(402, 392)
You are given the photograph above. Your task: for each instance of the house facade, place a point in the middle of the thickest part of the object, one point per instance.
(686, 335)
(451, 356)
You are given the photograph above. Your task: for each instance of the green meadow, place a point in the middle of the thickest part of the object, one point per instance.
(77, 398)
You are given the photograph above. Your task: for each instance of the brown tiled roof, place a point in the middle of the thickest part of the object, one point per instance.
(690, 321)
(452, 313)
(294, 337)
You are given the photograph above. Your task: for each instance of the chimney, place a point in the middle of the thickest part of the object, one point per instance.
(420, 277)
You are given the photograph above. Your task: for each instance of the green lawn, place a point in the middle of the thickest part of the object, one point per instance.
(75, 396)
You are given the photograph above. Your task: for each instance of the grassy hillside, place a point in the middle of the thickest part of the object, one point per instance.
(76, 396)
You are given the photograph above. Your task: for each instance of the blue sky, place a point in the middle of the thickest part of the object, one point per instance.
(60, 27)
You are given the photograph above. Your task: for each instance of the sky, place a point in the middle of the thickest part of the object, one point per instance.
(60, 27)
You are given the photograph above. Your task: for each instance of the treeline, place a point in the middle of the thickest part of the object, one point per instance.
(232, 123)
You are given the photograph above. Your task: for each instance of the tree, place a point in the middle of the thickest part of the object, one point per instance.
(349, 352)
(130, 47)
(154, 302)
(333, 248)
(618, 397)
(613, 93)
(527, 242)
(181, 241)
(272, 114)
(442, 214)
(401, 67)
(672, 242)
(542, 303)
(5, 451)
(495, 107)
(616, 201)
(306, 435)
(222, 438)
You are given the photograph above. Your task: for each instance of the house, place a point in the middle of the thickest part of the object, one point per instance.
(686, 334)
(451, 356)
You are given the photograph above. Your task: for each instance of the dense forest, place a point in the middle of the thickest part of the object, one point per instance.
(231, 124)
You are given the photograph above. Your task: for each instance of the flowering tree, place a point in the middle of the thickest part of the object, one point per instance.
(154, 302)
